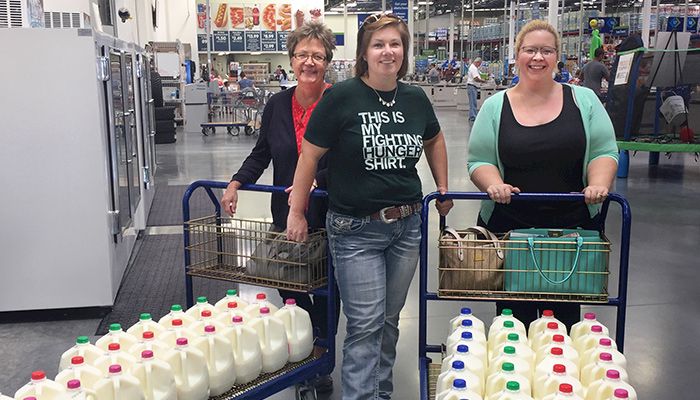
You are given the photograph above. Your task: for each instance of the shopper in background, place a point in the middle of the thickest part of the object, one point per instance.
(284, 121)
(594, 72)
(473, 76)
(244, 82)
(562, 75)
(373, 129)
(541, 136)
(433, 74)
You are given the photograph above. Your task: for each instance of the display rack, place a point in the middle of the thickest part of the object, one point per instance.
(259, 72)
(173, 76)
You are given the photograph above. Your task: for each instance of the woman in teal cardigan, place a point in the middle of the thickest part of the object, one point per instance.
(541, 136)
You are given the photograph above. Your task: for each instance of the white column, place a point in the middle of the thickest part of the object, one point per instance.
(383, 5)
(553, 12)
(602, 8)
(345, 29)
(451, 37)
(511, 32)
(646, 16)
(427, 25)
(685, 25)
(411, 55)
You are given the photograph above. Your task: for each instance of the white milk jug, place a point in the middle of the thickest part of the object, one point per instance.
(205, 319)
(458, 371)
(176, 331)
(548, 384)
(273, 340)
(247, 354)
(82, 348)
(556, 356)
(149, 342)
(116, 335)
(175, 313)
(471, 362)
(3, 397)
(458, 391)
(564, 343)
(592, 372)
(300, 334)
(233, 309)
(604, 346)
(477, 348)
(496, 383)
(41, 388)
(540, 323)
(466, 313)
(145, 323)
(75, 391)
(565, 392)
(217, 351)
(253, 309)
(115, 355)
(621, 394)
(522, 366)
(584, 326)
(603, 388)
(522, 349)
(85, 373)
(592, 339)
(190, 369)
(118, 386)
(506, 315)
(466, 326)
(231, 296)
(155, 377)
(511, 392)
(545, 337)
(202, 304)
(499, 335)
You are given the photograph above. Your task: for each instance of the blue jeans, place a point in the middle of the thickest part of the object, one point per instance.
(374, 265)
(473, 92)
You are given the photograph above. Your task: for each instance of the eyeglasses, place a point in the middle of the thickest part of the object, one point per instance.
(546, 51)
(303, 57)
(376, 17)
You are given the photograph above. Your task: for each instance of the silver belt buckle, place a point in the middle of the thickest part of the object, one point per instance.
(384, 218)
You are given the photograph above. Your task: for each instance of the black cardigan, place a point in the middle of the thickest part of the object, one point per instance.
(277, 143)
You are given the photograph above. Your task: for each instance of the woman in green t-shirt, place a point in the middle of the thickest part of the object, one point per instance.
(373, 129)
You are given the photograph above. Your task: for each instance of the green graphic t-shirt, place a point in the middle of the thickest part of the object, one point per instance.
(373, 149)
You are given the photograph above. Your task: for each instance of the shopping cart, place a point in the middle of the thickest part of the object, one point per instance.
(428, 370)
(234, 111)
(223, 248)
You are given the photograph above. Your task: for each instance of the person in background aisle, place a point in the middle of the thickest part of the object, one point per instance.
(562, 75)
(433, 74)
(284, 121)
(594, 72)
(373, 129)
(541, 136)
(245, 82)
(473, 76)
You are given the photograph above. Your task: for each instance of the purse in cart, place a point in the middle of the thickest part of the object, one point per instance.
(470, 259)
(573, 261)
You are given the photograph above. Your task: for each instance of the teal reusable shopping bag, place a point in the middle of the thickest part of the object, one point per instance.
(571, 261)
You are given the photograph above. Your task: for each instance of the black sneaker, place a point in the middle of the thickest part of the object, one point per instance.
(323, 384)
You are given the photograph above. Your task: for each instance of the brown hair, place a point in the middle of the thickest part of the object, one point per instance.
(537, 25)
(312, 30)
(364, 34)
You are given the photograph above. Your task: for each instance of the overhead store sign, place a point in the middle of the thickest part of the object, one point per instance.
(676, 24)
(400, 9)
(252, 27)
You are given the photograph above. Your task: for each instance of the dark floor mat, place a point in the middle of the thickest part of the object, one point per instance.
(155, 280)
(167, 205)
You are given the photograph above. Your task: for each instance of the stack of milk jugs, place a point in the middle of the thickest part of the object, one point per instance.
(190, 355)
(542, 363)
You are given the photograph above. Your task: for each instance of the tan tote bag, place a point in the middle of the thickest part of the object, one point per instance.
(470, 259)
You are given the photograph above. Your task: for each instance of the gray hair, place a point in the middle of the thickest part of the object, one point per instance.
(312, 30)
(476, 60)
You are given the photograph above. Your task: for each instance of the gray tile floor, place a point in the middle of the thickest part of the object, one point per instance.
(663, 311)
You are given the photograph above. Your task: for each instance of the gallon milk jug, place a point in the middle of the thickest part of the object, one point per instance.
(521, 347)
(593, 372)
(202, 304)
(471, 362)
(176, 331)
(499, 336)
(564, 343)
(233, 309)
(76, 392)
(506, 315)
(584, 326)
(85, 373)
(82, 348)
(190, 369)
(497, 382)
(118, 386)
(458, 371)
(273, 340)
(548, 384)
(205, 319)
(175, 313)
(459, 391)
(509, 355)
(253, 309)
(540, 323)
(2, 397)
(466, 326)
(604, 387)
(466, 313)
(116, 335)
(565, 392)
(620, 394)
(297, 324)
(155, 377)
(149, 342)
(231, 296)
(592, 339)
(217, 351)
(41, 388)
(545, 337)
(478, 349)
(247, 354)
(604, 346)
(114, 355)
(511, 392)
(556, 356)
(146, 323)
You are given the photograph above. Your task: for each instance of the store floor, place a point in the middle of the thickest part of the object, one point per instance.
(663, 315)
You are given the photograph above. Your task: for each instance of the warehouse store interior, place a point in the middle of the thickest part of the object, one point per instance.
(96, 170)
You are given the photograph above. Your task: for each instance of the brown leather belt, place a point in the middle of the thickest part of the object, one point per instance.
(395, 213)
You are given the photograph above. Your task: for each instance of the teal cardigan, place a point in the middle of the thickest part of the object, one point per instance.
(483, 141)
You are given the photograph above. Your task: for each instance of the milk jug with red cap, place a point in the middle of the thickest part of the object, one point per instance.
(42, 388)
(116, 335)
(300, 334)
(564, 343)
(176, 312)
(114, 355)
(540, 324)
(87, 374)
(149, 342)
(145, 323)
(175, 331)
(190, 370)
(233, 309)
(253, 309)
(202, 304)
(155, 377)
(548, 384)
(273, 340)
(118, 385)
(247, 354)
(205, 319)
(556, 356)
(82, 348)
(231, 296)
(564, 392)
(545, 337)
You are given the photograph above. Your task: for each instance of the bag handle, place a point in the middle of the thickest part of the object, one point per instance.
(489, 236)
(453, 232)
(531, 246)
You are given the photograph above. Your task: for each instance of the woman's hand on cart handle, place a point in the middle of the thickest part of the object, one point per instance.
(595, 194)
(229, 200)
(501, 192)
(297, 228)
(444, 206)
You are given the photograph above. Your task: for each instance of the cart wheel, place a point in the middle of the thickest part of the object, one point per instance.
(305, 392)
(231, 132)
(249, 130)
(213, 130)
(204, 131)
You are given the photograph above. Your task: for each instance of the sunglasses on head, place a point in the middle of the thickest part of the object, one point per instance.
(376, 17)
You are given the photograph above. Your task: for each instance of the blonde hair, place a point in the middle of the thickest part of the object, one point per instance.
(537, 25)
